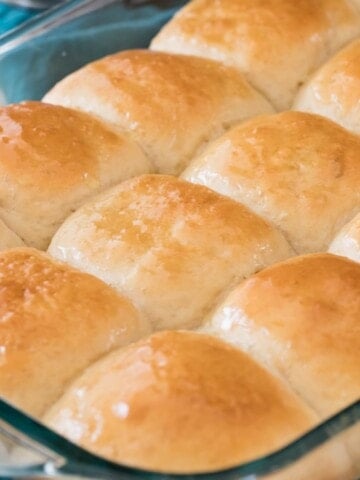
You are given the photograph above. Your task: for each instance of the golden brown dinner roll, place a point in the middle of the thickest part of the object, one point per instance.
(299, 171)
(8, 238)
(276, 43)
(52, 159)
(180, 402)
(334, 91)
(171, 105)
(347, 241)
(170, 246)
(301, 319)
(54, 321)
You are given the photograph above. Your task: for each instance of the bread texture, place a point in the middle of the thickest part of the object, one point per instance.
(8, 238)
(197, 310)
(347, 241)
(297, 170)
(180, 402)
(172, 105)
(172, 247)
(52, 159)
(54, 322)
(334, 90)
(275, 43)
(301, 319)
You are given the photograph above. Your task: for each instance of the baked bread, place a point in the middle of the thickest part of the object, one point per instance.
(52, 159)
(8, 238)
(347, 241)
(54, 322)
(301, 320)
(180, 402)
(181, 252)
(275, 43)
(170, 246)
(299, 171)
(172, 105)
(334, 90)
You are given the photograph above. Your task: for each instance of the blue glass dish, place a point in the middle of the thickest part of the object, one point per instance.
(53, 455)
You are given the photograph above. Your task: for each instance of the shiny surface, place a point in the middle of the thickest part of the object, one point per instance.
(276, 43)
(347, 241)
(311, 456)
(52, 159)
(265, 464)
(172, 247)
(179, 402)
(334, 91)
(306, 327)
(54, 321)
(171, 105)
(299, 171)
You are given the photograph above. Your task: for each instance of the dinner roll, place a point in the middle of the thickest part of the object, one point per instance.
(276, 43)
(170, 246)
(52, 159)
(347, 241)
(8, 238)
(301, 319)
(299, 171)
(180, 402)
(171, 105)
(54, 321)
(334, 91)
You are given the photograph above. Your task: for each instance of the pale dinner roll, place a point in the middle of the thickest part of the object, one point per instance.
(347, 241)
(301, 319)
(54, 322)
(171, 105)
(299, 171)
(180, 402)
(8, 238)
(334, 91)
(170, 246)
(276, 43)
(52, 159)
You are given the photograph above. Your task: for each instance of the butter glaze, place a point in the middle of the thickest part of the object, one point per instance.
(334, 90)
(54, 322)
(169, 245)
(189, 403)
(172, 105)
(52, 159)
(277, 44)
(301, 319)
(299, 171)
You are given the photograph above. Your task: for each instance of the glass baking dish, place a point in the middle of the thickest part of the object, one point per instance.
(52, 44)
(33, 58)
(43, 452)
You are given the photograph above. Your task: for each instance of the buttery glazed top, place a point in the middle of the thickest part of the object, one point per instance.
(179, 402)
(276, 43)
(297, 170)
(171, 246)
(334, 91)
(53, 147)
(54, 322)
(301, 318)
(170, 104)
(51, 160)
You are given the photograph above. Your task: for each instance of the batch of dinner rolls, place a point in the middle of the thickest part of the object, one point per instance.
(180, 242)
